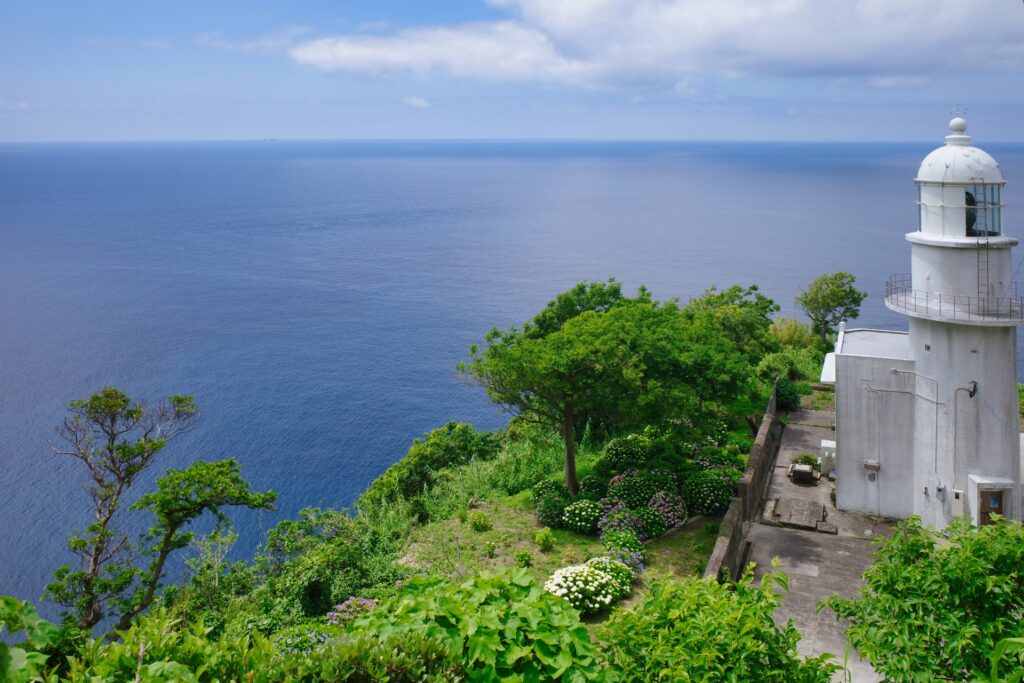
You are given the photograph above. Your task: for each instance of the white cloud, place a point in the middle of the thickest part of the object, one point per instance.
(666, 42)
(278, 41)
(416, 102)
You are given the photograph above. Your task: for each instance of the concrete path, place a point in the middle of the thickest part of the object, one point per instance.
(818, 564)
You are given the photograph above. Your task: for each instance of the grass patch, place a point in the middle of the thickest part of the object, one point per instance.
(819, 400)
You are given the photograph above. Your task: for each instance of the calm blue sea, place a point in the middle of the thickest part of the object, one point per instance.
(315, 297)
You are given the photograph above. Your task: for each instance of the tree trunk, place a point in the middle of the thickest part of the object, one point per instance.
(152, 583)
(754, 425)
(568, 429)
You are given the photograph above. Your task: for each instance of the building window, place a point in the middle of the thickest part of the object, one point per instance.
(982, 209)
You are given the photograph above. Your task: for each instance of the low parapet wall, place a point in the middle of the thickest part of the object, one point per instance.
(729, 554)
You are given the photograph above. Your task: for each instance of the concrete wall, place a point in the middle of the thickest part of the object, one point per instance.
(965, 435)
(875, 411)
(951, 270)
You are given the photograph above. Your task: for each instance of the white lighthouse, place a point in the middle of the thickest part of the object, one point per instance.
(927, 422)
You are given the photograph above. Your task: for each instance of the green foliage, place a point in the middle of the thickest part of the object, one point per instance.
(806, 459)
(829, 300)
(482, 624)
(551, 509)
(592, 587)
(700, 630)
(628, 452)
(787, 395)
(23, 663)
(742, 314)
(624, 539)
(116, 440)
(450, 446)
(582, 516)
(636, 488)
(790, 332)
(593, 487)
(480, 521)
(790, 364)
(935, 605)
(585, 296)
(545, 539)
(544, 489)
(524, 559)
(1006, 646)
(707, 492)
(654, 522)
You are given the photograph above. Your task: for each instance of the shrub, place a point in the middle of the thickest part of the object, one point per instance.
(349, 610)
(707, 493)
(490, 549)
(700, 630)
(624, 540)
(545, 539)
(470, 621)
(787, 395)
(962, 589)
(588, 588)
(582, 516)
(632, 559)
(302, 639)
(654, 523)
(627, 452)
(551, 508)
(480, 521)
(806, 459)
(712, 457)
(618, 518)
(623, 575)
(636, 488)
(24, 662)
(524, 559)
(593, 487)
(670, 506)
(547, 487)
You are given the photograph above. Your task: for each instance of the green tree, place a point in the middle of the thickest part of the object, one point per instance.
(585, 296)
(830, 299)
(116, 440)
(621, 365)
(935, 605)
(742, 315)
(181, 497)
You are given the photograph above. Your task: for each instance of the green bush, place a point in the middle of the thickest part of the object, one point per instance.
(453, 445)
(593, 487)
(627, 452)
(545, 539)
(547, 488)
(700, 630)
(624, 540)
(623, 575)
(480, 521)
(935, 604)
(551, 508)
(524, 559)
(787, 395)
(806, 459)
(654, 522)
(707, 492)
(582, 516)
(25, 661)
(636, 488)
(470, 622)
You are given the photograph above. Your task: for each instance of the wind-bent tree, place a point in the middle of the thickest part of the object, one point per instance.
(116, 440)
(829, 300)
(181, 497)
(622, 364)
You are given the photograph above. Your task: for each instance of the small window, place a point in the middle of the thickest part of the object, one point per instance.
(982, 210)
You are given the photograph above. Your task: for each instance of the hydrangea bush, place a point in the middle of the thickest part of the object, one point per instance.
(582, 516)
(547, 487)
(550, 509)
(617, 518)
(349, 610)
(670, 506)
(626, 452)
(589, 588)
(632, 559)
(654, 523)
(625, 540)
(707, 492)
(593, 487)
(636, 488)
(623, 575)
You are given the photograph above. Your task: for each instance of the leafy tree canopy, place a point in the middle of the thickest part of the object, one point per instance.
(829, 300)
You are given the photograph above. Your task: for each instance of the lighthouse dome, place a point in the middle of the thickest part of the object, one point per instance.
(957, 162)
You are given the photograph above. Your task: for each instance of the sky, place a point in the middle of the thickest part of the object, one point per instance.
(859, 70)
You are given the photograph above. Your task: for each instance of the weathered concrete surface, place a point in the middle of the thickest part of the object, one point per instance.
(798, 513)
(818, 563)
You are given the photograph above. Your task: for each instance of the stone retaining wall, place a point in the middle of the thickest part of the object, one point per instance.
(729, 554)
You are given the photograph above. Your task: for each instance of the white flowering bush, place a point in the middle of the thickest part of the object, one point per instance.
(582, 516)
(589, 588)
(623, 575)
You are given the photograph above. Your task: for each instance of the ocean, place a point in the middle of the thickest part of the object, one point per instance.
(315, 297)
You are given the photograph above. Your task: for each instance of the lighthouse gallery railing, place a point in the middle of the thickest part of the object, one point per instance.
(901, 295)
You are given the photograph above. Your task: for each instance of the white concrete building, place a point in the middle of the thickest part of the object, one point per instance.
(926, 421)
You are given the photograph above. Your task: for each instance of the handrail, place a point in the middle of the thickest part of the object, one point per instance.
(900, 294)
